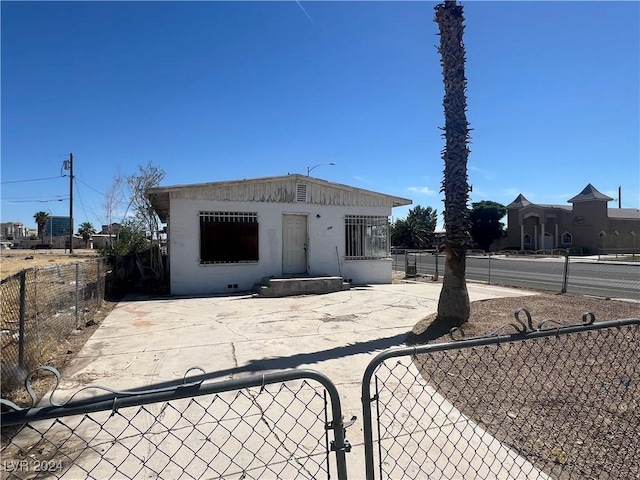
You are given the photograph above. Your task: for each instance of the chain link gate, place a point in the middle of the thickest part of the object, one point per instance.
(548, 401)
(274, 425)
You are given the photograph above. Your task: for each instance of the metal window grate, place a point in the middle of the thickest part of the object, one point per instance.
(229, 217)
(366, 237)
(229, 237)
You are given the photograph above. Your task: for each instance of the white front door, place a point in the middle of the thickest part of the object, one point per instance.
(294, 244)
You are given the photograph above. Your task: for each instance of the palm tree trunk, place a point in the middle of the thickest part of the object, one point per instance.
(453, 305)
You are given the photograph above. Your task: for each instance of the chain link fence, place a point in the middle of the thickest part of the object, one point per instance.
(40, 307)
(548, 401)
(608, 277)
(265, 426)
(545, 402)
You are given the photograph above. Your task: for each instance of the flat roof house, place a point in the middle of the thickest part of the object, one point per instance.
(226, 236)
(587, 224)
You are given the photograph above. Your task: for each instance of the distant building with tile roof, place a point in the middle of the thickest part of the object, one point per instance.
(588, 224)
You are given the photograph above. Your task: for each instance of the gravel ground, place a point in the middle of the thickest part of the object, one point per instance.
(570, 404)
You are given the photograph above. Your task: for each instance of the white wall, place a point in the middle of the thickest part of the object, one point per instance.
(325, 233)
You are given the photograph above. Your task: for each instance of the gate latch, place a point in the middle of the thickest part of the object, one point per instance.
(347, 445)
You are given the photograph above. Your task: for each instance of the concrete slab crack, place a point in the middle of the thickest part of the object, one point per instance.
(290, 455)
(235, 358)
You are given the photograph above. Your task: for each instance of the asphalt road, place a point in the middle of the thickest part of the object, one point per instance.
(586, 277)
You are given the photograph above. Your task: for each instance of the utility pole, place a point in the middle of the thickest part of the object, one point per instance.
(68, 165)
(71, 203)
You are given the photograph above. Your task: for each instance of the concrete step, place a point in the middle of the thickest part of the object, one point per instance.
(288, 286)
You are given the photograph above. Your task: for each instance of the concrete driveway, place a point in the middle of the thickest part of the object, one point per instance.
(144, 342)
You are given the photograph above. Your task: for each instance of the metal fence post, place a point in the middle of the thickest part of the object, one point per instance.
(35, 306)
(435, 277)
(566, 272)
(77, 292)
(99, 284)
(23, 293)
(489, 277)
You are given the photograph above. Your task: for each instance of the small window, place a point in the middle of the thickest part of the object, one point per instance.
(567, 238)
(527, 239)
(366, 237)
(228, 237)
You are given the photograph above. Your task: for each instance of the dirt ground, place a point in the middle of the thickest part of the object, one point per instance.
(14, 261)
(60, 358)
(559, 402)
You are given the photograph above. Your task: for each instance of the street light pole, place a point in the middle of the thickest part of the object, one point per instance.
(316, 166)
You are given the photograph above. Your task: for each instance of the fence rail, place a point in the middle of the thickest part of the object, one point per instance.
(544, 402)
(275, 425)
(40, 307)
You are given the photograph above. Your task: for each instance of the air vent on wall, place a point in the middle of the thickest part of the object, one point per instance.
(301, 193)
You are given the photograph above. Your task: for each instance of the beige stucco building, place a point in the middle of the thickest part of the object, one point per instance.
(588, 224)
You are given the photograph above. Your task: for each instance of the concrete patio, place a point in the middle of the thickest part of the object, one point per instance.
(145, 342)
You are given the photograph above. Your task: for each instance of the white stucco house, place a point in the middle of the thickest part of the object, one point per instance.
(225, 237)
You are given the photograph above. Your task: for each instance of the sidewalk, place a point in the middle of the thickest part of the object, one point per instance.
(152, 341)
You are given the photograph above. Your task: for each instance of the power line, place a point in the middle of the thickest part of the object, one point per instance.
(80, 198)
(35, 201)
(36, 197)
(31, 180)
(94, 212)
(89, 186)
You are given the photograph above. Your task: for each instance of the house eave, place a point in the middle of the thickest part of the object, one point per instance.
(160, 196)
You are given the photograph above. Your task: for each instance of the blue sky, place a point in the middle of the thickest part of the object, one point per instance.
(213, 91)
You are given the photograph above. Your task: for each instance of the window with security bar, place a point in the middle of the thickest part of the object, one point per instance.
(366, 237)
(228, 237)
